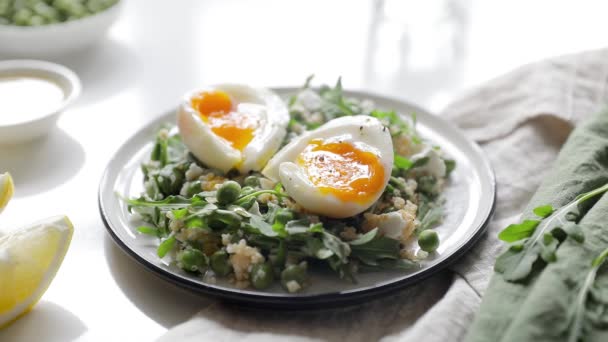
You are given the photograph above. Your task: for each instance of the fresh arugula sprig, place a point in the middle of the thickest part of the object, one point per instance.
(539, 238)
(580, 306)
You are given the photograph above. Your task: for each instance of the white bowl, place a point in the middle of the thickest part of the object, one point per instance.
(41, 124)
(56, 39)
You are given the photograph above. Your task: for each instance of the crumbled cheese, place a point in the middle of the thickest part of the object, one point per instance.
(174, 224)
(163, 133)
(209, 277)
(226, 238)
(404, 145)
(135, 217)
(292, 205)
(316, 118)
(242, 258)
(435, 166)
(309, 99)
(193, 172)
(293, 286)
(211, 181)
(410, 188)
(398, 225)
(195, 234)
(266, 198)
(267, 184)
(349, 234)
(398, 202)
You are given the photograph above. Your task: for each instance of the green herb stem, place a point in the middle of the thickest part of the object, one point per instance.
(579, 313)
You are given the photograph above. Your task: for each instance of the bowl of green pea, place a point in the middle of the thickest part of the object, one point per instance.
(41, 28)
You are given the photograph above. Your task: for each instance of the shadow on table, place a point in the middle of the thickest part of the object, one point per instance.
(163, 302)
(391, 315)
(47, 321)
(36, 166)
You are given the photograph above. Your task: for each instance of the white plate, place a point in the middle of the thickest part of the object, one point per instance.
(469, 194)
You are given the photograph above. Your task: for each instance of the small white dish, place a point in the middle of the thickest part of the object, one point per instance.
(57, 39)
(40, 124)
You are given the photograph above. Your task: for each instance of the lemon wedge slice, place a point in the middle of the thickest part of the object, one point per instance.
(29, 260)
(6, 189)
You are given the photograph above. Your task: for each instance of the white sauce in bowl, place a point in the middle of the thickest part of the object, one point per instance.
(25, 98)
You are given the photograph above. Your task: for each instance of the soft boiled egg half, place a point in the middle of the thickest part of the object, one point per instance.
(231, 126)
(338, 170)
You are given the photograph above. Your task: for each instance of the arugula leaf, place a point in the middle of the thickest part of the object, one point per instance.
(316, 248)
(365, 238)
(543, 211)
(340, 248)
(430, 213)
(171, 202)
(179, 214)
(159, 152)
(515, 264)
(450, 165)
(149, 231)
(263, 226)
(195, 222)
(402, 163)
(420, 162)
(166, 246)
(516, 232)
(379, 248)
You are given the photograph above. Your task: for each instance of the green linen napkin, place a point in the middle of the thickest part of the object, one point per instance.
(540, 308)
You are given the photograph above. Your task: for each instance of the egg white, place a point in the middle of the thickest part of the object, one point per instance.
(364, 132)
(216, 152)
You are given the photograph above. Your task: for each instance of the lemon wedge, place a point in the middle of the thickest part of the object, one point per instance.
(29, 260)
(6, 189)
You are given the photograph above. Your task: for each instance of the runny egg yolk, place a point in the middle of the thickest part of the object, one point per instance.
(217, 110)
(342, 170)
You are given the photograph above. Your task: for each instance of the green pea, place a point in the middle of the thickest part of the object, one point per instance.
(284, 216)
(428, 240)
(295, 273)
(191, 260)
(194, 188)
(36, 20)
(261, 276)
(5, 8)
(18, 5)
(76, 9)
(220, 264)
(62, 5)
(22, 16)
(228, 192)
(95, 6)
(252, 181)
(46, 11)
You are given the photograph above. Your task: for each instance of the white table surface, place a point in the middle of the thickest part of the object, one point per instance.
(421, 51)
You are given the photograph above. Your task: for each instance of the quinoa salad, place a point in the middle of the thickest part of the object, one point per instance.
(256, 226)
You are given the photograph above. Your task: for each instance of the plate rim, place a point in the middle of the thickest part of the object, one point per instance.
(306, 301)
